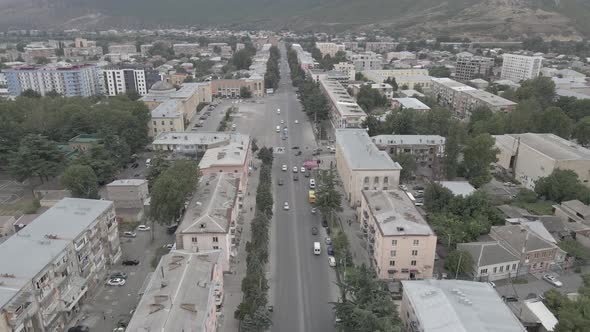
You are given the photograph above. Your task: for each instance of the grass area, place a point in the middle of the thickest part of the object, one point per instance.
(21, 207)
(539, 207)
(519, 281)
(161, 251)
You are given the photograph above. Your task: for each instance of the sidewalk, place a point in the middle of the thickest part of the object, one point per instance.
(233, 280)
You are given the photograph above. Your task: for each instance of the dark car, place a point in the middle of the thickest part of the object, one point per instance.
(295, 148)
(120, 275)
(130, 262)
(330, 250)
(418, 188)
(79, 328)
(295, 178)
(325, 222)
(280, 182)
(306, 174)
(135, 165)
(298, 153)
(510, 298)
(314, 231)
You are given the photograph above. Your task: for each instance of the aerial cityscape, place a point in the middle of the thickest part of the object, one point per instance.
(297, 166)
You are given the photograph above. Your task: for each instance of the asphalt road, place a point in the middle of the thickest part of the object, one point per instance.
(302, 285)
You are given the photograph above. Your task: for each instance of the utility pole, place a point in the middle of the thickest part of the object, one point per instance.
(458, 264)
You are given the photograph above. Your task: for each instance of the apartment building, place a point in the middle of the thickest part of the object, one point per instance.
(362, 166)
(168, 116)
(406, 78)
(209, 223)
(468, 67)
(190, 95)
(366, 61)
(121, 80)
(329, 48)
(317, 74)
(144, 50)
(454, 305)
(401, 56)
(491, 261)
(184, 294)
(129, 197)
(33, 52)
(531, 156)
(344, 111)
(49, 268)
(193, 142)
(69, 80)
(464, 99)
(234, 158)
(520, 67)
(384, 89)
(188, 49)
(406, 103)
(83, 48)
(231, 87)
(425, 148)
(123, 49)
(305, 59)
(347, 68)
(380, 47)
(400, 242)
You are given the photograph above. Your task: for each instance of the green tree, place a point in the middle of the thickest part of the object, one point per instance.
(42, 60)
(582, 131)
(242, 59)
(453, 149)
(101, 161)
(437, 198)
(35, 156)
(162, 50)
(459, 262)
(216, 49)
(391, 81)
(409, 166)
(554, 120)
(561, 185)
(328, 199)
(81, 181)
(29, 93)
(439, 71)
(245, 92)
(478, 154)
(541, 89)
(369, 99)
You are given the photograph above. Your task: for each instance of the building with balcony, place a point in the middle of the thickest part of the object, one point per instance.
(520, 67)
(123, 49)
(468, 67)
(362, 166)
(125, 79)
(48, 267)
(406, 78)
(33, 52)
(188, 49)
(453, 306)
(400, 242)
(381, 46)
(209, 223)
(425, 148)
(184, 294)
(347, 68)
(344, 111)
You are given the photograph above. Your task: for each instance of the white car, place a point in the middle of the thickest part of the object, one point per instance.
(332, 261)
(282, 121)
(284, 168)
(552, 280)
(278, 111)
(116, 282)
(311, 184)
(302, 169)
(295, 169)
(143, 228)
(286, 206)
(403, 187)
(296, 121)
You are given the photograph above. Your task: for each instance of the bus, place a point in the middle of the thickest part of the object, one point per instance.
(312, 196)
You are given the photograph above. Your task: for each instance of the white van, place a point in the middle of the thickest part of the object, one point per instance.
(148, 162)
(316, 248)
(278, 130)
(311, 183)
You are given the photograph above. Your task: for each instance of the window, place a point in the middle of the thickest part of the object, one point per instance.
(414, 252)
(405, 270)
(170, 122)
(154, 122)
(385, 179)
(366, 179)
(495, 269)
(501, 269)
(394, 242)
(391, 263)
(508, 267)
(162, 122)
(215, 239)
(483, 271)
(413, 263)
(215, 248)
(392, 253)
(416, 242)
(376, 180)
(513, 266)
(194, 240)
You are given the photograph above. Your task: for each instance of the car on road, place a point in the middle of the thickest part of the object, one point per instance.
(278, 129)
(203, 117)
(314, 231)
(169, 246)
(136, 175)
(116, 282)
(332, 149)
(295, 178)
(278, 111)
(510, 298)
(552, 280)
(418, 188)
(328, 241)
(302, 170)
(129, 234)
(403, 187)
(135, 165)
(280, 182)
(79, 328)
(491, 283)
(295, 169)
(296, 121)
(118, 275)
(324, 222)
(298, 153)
(286, 206)
(284, 168)
(130, 262)
(295, 148)
(313, 210)
(330, 250)
(332, 261)
(311, 184)
(143, 228)
(282, 121)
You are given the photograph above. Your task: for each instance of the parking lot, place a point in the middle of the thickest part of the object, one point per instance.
(110, 304)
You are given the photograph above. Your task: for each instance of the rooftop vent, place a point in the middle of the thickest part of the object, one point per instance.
(400, 229)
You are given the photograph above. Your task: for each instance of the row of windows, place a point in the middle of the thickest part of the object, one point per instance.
(412, 263)
(414, 243)
(163, 123)
(501, 269)
(215, 239)
(393, 253)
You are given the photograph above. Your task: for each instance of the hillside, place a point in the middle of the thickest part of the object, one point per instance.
(560, 19)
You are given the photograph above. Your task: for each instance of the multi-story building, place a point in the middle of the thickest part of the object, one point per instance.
(123, 49)
(464, 99)
(407, 78)
(329, 48)
(425, 148)
(531, 156)
(491, 261)
(405, 103)
(144, 49)
(366, 61)
(362, 166)
(187, 49)
(66, 79)
(468, 67)
(185, 294)
(573, 211)
(305, 59)
(34, 52)
(210, 219)
(380, 47)
(190, 95)
(193, 142)
(344, 111)
(123, 79)
(400, 242)
(317, 74)
(454, 305)
(402, 56)
(520, 67)
(383, 88)
(168, 116)
(129, 197)
(232, 158)
(53, 264)
(83, 48)
(347, 68)
(231, 87)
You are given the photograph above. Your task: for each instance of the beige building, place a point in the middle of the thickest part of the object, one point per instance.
(531, 156)
(190, 95)
(329, 48)
(378, 76)
(34, 52)
(491, 261)
(231, 87)
(55, 263)
(400, 242)
(468, 67)
(209, 222)
(234, 158)
(122, 49)
(425, 148)
(366, 61)
(184, 294)
(196, 142)
(344, 111)
(167, 117)
(362, 166)
(187, 49)
(346, 68)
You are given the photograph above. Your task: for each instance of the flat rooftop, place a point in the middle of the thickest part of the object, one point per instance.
(361, 153)
(228, 155)
(210, 208)
(458, 188)
(411, 103)
(550, 145)
(170, 108)
(459, 306)
(29, 251)
(452, 84)
(183, 305)
(395, 214)
(198, 138)
(408, 140)
(490, 98)
(127, 182)
(339, 97)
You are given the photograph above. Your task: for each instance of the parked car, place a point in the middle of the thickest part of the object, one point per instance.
(79, 328)
(295, 178)
(510, 298)
(418, 188)
(314, 231)
(135, 165)
(302, 170)
(298, 153)
(284, 168)
(324, 222)
(129, 234)
(286, 206)
(143, 228)
(328, 241)
(295, 169)
(552, 280)
(313, 210)
(330, 250)
(280, 182)
(403, 187)
(296, 121)
(332, 261)
(116, 282)
(118, 275)
(130, 262)
(169, 246)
